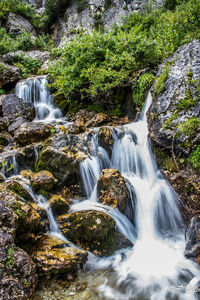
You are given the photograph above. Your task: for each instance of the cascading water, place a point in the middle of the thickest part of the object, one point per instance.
(155, 268)
(36, 91)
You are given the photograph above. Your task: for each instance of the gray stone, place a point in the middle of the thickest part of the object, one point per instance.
(9, 75)
(17, 24)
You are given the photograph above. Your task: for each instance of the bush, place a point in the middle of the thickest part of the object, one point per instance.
(28, 65)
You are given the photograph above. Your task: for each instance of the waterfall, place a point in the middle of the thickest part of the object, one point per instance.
(155, 268)
(36, 91)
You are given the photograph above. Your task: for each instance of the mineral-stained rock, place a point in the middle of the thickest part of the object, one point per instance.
(92, 230)
(59, 205)
(29, 133)
(174, 117)
(105, 139)
(112, 190)
(192, 249)
(42, 180)
(13, 107)
(98, 120)
(61, 156)
(54, 257)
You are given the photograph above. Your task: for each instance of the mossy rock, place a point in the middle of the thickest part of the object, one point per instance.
(92, 230)
(53, 256)
(59, 205)
(17, 186)
(43, 180)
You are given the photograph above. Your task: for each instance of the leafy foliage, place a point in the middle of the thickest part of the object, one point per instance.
(28, 65)
(194, 158)
(55, 9)
(95, 64)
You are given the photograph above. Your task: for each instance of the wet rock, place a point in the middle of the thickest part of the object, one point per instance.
(17, 24)
(92, 230)
(174, 117)
(16, 124)
(105, 139)
(26, 174)
(98, 120)
(61, 156)
(42, 180)
(14, 107)
(59, 205)
(54, 257)
(28, 219)
(112, 189)
(2, 178)
(17, 271)
(192, 249)
(77, 127)
(29, 133)
(83, 115)
(21, 188)
(9, 75)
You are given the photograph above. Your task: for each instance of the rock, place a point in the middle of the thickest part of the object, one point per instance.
(77, 127)
(192, 249)
(16, 24)
(42, 180)
(3, 124)
(5, 139)
(83, 115)
(59, 205)
(17, 271)
(54, 257)
(12, 57)
(26, 174)
(92, 230)
(28, 219)
(97, 120)
(105, 139)
(174, 117)
(61, 156)
(2, 178)
(14, 107)
(29, 133)
(21, 188)
(16, 124)
(112, 190)
(9, 75)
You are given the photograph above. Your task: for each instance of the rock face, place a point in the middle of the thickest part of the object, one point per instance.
(92, 230)
(192, 249)
(17, 24)
(174, 117)
(94, 13)
(112, 190)
(10, 58)
(13, 107)
(54, 257)
(29, 133)
(61, 156)
(9, 75)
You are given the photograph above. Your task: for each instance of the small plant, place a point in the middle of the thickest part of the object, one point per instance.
(194, 158)
(189, 127)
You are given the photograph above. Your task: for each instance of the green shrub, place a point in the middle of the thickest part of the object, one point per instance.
(55, 9)
(141, 87)
(28, 65)
(189, 127)
(194, 158)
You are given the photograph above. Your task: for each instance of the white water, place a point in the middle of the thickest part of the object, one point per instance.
(36, 91)
(155, 268)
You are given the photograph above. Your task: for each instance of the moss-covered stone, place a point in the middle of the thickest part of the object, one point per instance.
(42, 180)
(59, 205)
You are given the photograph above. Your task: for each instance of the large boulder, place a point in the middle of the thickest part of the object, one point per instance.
(105, 138)
(174, 117)
(17, 271)
(29, 133)
(61, 156)
(16, 24)
(12, 57)
(192, 249)
(112, 190)
(53, 256)
(14, 107)
(42, 180)
(9, 74)
(92, 230)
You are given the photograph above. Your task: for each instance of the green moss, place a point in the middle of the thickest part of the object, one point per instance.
(168, 124)
(161, 79)
(189, 127)
(187, 102)
(194, 158)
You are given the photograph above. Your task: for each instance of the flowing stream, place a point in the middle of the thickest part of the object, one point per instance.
(155, 268)
(36, 91)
